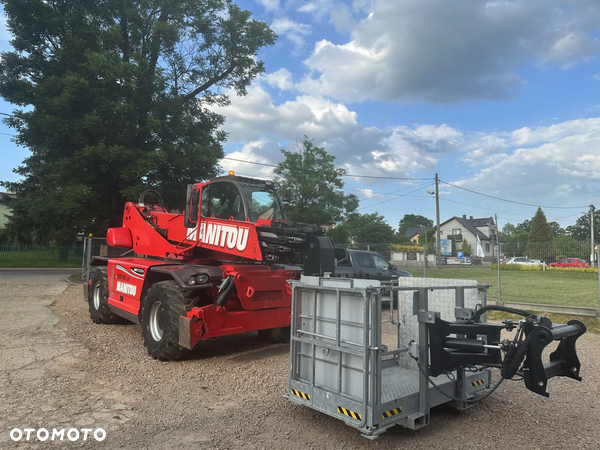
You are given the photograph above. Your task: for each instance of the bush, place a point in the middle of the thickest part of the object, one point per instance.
(406, 248)
(518, 267)
(538, 268)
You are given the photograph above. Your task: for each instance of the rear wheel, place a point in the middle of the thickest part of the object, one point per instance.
(163, 305)
(98, 298)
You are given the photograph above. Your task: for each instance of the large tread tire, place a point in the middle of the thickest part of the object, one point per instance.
(280, 335)
(98, 298)
(161, 308)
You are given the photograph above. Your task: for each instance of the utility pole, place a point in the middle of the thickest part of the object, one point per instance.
(425, 255)
(438, 240)
(498, 258)
(593, 252)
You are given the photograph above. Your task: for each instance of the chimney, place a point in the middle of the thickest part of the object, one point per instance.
(470, 217)
(464, 216)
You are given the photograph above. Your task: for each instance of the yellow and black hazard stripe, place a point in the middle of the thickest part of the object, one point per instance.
(478, 382)
(300, 394)
(349, 413)
(391, 412)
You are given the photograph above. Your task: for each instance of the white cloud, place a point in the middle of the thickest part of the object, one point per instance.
(281, 79)
(342, 19)
(449, 51)
(293, 31)
(255, 115)
(270, 5)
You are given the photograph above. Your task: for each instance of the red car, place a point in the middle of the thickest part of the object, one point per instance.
(570, 262)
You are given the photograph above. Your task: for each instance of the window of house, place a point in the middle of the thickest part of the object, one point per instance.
(456, 231)
(487, 247)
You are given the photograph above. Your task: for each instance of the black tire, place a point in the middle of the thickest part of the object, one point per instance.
(281, 335)
(98, 298)
(161, 308)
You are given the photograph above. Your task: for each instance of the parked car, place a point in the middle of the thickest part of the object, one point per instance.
(466, 261)
(570, 262)
(522, 260)
(366, 264)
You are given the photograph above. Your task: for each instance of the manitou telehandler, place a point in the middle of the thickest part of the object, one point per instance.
(219, 268)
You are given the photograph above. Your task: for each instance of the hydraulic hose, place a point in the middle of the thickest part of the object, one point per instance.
(225, 291)
(519, 312)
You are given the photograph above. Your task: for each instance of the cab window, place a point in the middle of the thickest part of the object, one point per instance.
(264, 205)
(223, 200)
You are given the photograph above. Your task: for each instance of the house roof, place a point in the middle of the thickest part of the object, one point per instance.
(412, 231)
(472, 224)
(4, 195)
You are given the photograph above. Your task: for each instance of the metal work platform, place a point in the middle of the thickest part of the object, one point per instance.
(349, 355)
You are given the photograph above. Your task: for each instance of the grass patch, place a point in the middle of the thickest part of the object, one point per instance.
(592, 324)
(41, 257)
(549, 288)
(75, 278)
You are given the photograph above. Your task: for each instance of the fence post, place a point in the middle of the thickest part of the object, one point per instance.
(88, 257)
(598, 266)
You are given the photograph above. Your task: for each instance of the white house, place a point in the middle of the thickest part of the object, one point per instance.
(460, 228)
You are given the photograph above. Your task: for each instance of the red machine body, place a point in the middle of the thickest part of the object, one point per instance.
(222, 267)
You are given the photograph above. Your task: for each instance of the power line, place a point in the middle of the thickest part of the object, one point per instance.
(480, 207)
(398, 196)
(512, 201)
(345, 175)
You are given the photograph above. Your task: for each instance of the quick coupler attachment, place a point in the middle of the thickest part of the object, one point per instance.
(563, 361)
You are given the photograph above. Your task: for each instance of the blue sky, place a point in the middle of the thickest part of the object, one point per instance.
(497, 97)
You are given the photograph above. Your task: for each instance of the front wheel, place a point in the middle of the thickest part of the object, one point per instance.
(163, 305)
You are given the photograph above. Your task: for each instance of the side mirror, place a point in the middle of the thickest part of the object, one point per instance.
(286, 195)
(393, 267)
(192, 203)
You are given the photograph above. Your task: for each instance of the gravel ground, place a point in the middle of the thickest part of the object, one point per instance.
(229, 394)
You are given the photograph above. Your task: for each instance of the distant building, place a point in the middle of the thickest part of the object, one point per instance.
(4, 209)
(413, 234)
(461, 228)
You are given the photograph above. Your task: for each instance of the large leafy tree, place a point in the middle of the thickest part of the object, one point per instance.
(413, 221)
(515, 238)
(581, 230)
(363, 229)
(314, 185)
(115, 97)
(539, 244)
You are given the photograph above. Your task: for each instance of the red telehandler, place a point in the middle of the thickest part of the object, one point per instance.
(222, 267)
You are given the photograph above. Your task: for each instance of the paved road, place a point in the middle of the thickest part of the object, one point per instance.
(31, 349)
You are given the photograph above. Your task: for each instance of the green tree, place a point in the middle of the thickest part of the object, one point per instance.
(413, 221)
(363, 229)
(515, 238)
(314, 184)
(340, 234)
(557, 229)
(581, 230)
(466, 248)
(370, 229)
(539, 244)
(114, 99)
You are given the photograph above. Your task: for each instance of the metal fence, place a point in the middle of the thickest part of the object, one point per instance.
(24, 256)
